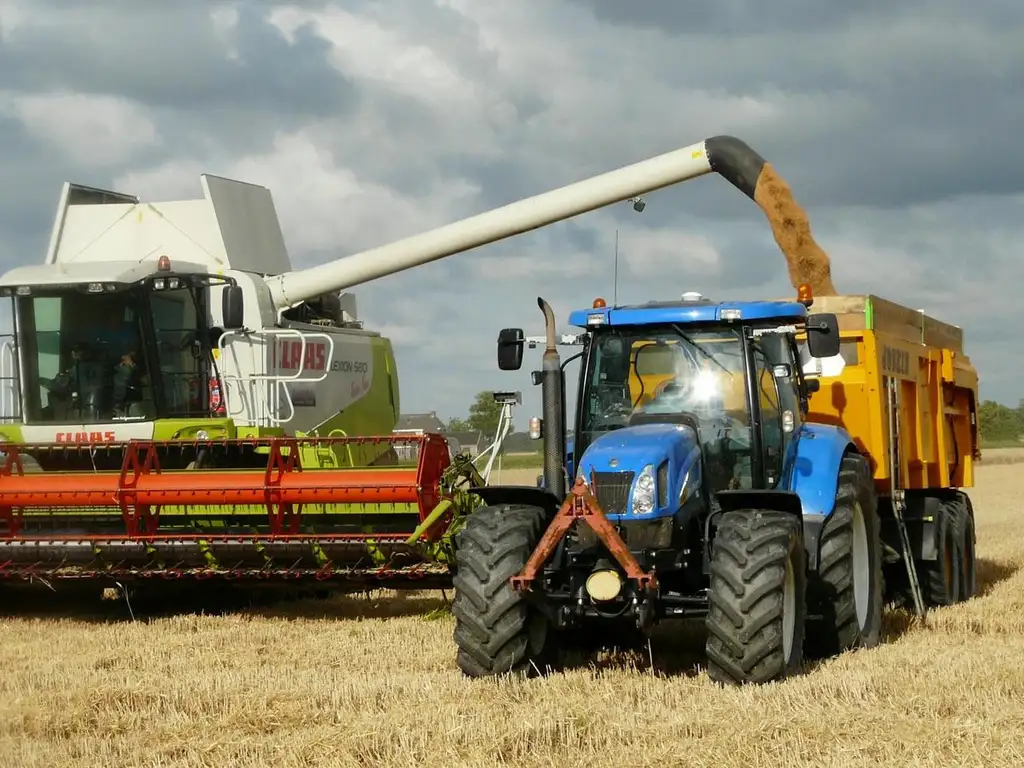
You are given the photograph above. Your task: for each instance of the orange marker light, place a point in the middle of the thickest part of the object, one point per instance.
(599, 303)
(163, 264)
(804, 295)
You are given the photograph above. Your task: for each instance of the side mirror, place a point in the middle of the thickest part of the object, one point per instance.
(510, 349)
(823, 335)
(233, 307)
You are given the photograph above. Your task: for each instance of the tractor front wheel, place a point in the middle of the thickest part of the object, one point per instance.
(756, 609)
(496, 630)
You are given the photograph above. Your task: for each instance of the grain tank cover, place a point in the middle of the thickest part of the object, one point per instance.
(233, 226)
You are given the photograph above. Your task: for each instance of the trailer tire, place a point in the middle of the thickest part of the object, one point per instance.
(848, 590)
(756, 598)
(964, 536)
(940, 578)
(497, 631)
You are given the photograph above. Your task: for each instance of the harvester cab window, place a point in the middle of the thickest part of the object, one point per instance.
(82, 358)
(179, 351)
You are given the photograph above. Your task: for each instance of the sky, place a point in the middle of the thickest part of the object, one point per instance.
(896, 125)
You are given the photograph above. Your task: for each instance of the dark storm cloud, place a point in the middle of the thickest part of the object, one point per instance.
(734, 17)
(878, 114)
(170, 55)
(892, 103)
(28, 198)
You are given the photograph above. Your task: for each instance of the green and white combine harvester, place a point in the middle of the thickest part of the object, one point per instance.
(180, 403)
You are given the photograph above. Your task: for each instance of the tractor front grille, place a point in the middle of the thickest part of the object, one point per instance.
(612, 490)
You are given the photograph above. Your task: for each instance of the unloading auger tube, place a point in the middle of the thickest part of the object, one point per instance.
(726, 155)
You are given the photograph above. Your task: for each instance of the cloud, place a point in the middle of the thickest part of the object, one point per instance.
(893, 123)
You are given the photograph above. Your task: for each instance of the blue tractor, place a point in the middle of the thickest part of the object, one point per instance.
(694, 486)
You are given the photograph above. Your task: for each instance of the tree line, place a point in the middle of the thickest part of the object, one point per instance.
(999, 424)
(484, 416)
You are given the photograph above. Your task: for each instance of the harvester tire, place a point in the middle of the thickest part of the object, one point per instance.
(847, 591)
(964, 536)
(756, 608)
(497, 631)
(940, 578)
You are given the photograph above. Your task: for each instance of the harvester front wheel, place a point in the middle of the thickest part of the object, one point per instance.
(496, 630)
(756, 608)
(847, 591)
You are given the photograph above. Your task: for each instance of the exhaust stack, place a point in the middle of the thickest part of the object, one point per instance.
(553, 394)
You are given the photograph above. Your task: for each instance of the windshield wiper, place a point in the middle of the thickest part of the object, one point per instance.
(707, 355)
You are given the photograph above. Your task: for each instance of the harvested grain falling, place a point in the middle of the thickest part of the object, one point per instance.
(807, 262)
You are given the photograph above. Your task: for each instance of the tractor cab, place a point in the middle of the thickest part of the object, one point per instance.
(681, 400)
(688, 393)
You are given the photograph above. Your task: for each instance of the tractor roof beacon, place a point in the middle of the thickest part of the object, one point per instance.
(708, 477)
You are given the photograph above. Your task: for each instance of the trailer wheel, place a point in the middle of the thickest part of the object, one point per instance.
(496, 630)
(963, 533)
(940, 578)
(756, 608)
(847, 590)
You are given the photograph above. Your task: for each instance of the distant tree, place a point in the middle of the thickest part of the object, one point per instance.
(1000, 422)
(484, 414)
(457, 425)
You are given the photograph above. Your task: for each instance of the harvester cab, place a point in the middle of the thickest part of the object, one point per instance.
(154, 321)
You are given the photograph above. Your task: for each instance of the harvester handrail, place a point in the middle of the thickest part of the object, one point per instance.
(277, 382)
(10, 397)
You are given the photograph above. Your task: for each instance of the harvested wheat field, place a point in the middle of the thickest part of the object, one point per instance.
(359, 681)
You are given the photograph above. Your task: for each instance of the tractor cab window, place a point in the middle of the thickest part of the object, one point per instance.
(82, 357)
(660, 374)
(771, 415)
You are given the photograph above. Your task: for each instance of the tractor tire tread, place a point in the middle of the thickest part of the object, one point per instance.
(746, 596)
(831, 590)
(492, 619)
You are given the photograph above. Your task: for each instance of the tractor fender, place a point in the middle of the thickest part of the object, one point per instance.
(811, 471)
(526, 495)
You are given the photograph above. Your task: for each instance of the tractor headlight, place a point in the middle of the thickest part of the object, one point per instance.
(643, 491)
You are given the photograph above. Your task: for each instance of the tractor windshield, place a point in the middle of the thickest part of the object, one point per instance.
(645, 374)
(89, 358)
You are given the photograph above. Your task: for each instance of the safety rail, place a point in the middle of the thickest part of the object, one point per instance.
(259, 409)
(10, 381)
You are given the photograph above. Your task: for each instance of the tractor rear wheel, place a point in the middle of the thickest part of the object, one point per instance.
(496, 630)
(847, 590)
(756, 598)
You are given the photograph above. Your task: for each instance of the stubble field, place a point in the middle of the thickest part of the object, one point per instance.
(371, 681)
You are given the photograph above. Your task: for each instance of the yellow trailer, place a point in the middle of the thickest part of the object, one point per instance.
(908, 396)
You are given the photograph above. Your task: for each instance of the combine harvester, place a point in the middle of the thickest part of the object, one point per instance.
(237, 422)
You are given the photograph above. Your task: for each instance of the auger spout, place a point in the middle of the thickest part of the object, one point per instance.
(726, 155)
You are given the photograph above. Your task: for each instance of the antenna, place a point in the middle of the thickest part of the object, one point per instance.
(615, 287)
